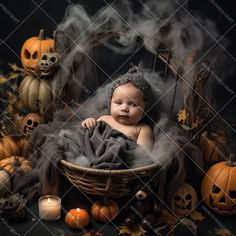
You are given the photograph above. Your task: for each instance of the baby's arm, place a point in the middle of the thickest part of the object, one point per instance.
(145, 137)
(89, 123)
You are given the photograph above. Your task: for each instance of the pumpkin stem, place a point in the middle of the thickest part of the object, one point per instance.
(230, 160)
(41, 34)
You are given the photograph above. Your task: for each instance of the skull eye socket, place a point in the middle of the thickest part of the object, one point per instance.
(27, 54)
(53, 59)
(44, 57)
(232, 194)
(177, 198)
(35, 124)
(188, 197)
(29, 122)
(216, 189)
(35, 55)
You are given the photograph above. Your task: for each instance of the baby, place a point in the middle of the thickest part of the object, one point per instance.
(127, 103)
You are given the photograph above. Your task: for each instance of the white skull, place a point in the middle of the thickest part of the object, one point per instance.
(48, 62)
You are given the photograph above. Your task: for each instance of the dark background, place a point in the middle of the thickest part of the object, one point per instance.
(31, 19)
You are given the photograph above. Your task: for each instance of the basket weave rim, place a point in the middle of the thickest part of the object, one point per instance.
(132, 171)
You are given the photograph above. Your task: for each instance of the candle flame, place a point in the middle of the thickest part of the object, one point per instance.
(49, 201)
(78, 210)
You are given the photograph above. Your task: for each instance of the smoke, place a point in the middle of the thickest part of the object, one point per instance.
(162, 29)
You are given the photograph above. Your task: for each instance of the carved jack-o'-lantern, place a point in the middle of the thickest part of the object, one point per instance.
(32, 50)
(35, 94)
(30, 122)
(219, 188)
(184, 200)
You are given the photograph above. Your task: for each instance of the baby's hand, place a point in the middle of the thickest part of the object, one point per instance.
(89, 123)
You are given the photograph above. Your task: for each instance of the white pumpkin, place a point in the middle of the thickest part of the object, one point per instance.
(35, 94)
(5, 183)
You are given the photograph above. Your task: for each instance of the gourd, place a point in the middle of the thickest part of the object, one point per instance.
(35, 94)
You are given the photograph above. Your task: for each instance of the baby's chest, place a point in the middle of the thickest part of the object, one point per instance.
(130, 132)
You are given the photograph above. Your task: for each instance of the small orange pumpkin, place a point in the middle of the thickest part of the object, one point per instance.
(218, 188)
(32, 50)
(8, 147)
(77, 218)
(15, 164)
(35, 94)
(104, 210)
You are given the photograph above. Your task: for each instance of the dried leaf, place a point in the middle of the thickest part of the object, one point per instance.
(197, 216)
(2, 80)
(223, 232)
(14, 67)
(13, 75)
(139, 231)
(168, 219)
(182, 116)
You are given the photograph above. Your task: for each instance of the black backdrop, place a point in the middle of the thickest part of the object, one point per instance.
(22, 19)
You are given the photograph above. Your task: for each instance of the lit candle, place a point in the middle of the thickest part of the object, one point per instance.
(49, 207)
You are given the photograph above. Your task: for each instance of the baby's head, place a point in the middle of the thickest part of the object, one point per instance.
(135, 77)
(129, 97)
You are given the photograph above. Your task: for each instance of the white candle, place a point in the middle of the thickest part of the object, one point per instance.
(49, 207)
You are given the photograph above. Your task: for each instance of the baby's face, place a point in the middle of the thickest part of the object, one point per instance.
(127, 104)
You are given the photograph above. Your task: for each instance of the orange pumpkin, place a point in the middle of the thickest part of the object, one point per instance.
(218, 188)
(35, 94)
(32, 50)
(104, 210)
(15, 164)
(77, 218)
(8, 147)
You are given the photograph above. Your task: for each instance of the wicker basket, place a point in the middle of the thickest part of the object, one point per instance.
(107, 183)
(114, 183)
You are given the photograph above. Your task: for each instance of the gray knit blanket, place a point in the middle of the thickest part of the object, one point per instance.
(100, 148)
